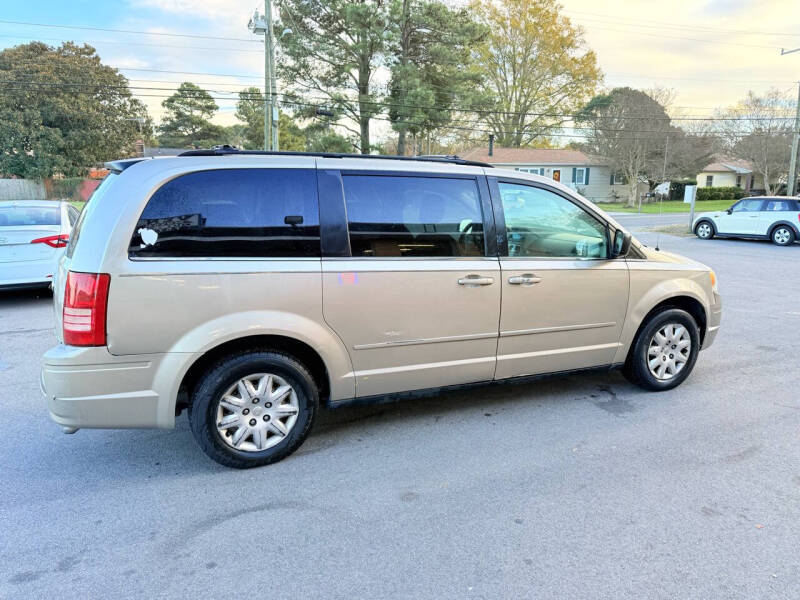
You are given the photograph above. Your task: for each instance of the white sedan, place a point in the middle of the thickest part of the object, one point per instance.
(764, 217)
(33, 236)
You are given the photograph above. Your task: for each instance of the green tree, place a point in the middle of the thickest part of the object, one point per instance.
(250, 110)
(537, 69)
(430, 54)
(335, 50)
(62, 111)
(187, 123)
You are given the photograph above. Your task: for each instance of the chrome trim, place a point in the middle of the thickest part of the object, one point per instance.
(224, 258)
(557, 351)
(450, 338)
(553, 329)
(182, 273)
(420, 367)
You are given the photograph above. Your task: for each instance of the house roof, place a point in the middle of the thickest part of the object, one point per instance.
(531, 156)
(725, 164)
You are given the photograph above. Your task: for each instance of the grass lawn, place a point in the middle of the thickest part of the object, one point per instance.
(670, 206)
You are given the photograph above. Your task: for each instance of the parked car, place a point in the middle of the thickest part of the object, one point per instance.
(249, 288)
(33, 236)
(775, 218)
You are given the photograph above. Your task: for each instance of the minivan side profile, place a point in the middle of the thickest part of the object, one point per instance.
(250, 288)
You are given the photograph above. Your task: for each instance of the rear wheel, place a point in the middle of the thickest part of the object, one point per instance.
(664, 351)
(704, 230)
(253, 409)
(782, 235)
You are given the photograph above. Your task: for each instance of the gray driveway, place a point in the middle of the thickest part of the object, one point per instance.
(579, 487)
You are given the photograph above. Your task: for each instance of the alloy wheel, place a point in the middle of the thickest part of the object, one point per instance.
(704, 230)
(782, 236)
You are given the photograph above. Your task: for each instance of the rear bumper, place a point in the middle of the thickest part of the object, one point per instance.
(28, 273)
(91, 388)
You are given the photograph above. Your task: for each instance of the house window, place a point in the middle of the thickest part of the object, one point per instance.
(709, 180)
(738, 181)
(580, 176)
(618, 179)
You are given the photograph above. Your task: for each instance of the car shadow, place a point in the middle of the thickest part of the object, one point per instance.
(148, 454)
(13, 296)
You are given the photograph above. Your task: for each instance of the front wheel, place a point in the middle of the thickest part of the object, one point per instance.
(782, 235)
(704, 230)
(254, 408)
(665, 350)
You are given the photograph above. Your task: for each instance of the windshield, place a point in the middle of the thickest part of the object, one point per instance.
(96, 196)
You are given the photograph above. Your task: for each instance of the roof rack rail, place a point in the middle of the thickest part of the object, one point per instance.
(227, 150)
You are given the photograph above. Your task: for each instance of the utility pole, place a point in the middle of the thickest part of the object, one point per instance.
(263, 24)
(792, 183)
(269, 41)
(795, 145)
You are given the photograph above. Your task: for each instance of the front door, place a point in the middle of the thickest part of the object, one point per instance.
(417, 303)
(564, 301)
(744, 218)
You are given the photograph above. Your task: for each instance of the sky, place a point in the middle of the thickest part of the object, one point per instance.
(710, 53)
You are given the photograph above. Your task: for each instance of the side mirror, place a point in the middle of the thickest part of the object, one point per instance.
(729, 211)
(621, 245)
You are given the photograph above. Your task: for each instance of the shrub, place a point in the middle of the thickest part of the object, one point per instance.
(720, 193)
(66, 188)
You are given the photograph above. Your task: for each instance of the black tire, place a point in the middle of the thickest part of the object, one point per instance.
(636, 368)
(225, 373)
(710, 226)
(782, 235)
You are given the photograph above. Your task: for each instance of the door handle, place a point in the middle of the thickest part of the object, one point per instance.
(475, 280)
(525, 279)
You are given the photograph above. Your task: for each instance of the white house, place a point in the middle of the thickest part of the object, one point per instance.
(726, 171)
(588, 175)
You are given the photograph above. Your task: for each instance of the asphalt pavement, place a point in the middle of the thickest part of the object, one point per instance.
(578, 487)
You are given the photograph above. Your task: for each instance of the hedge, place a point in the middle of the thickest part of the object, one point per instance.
(720, 193)
(66, 188)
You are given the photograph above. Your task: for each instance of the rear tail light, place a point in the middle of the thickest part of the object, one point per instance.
(85, 301)
(54, 241)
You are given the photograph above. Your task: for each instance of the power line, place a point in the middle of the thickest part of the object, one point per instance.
(575, 133)
(683, 27)
(74, 86)
(93, 42)
(135, 31)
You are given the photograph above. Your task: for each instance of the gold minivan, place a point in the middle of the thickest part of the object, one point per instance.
(248, 288)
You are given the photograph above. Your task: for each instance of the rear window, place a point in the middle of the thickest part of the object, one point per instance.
(231, 213)
(20, 216)
(391, 216)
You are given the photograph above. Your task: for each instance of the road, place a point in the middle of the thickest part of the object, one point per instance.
(579, 487)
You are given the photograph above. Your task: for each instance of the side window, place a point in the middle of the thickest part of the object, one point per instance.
(413, 216)
(540, 223)
(778, 205)
(231, 213)
(747, 206)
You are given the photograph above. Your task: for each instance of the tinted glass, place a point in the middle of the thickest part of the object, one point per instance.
(232, 213)
(20, 216)
(96, 197)
(413, 216)
(541, 223)
(748, 206)
(780, 205)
